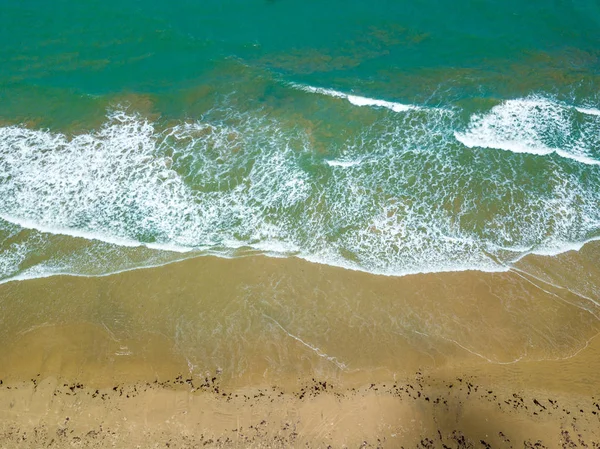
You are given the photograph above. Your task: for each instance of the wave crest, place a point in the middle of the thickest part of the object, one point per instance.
(400, 196)
(536, 125)
(356, 100)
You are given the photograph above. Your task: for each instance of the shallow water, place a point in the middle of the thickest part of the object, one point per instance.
(390, 139)
(266, 320)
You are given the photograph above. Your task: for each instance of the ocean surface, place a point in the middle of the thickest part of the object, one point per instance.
(391, 137)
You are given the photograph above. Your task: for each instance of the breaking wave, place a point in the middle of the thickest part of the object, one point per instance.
(413, 192)
(537, 125)
(356, 100)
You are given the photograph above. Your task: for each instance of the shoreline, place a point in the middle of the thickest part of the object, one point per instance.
(311, 348)
(249, 251)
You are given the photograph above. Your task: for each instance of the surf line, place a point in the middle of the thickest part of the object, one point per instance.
(356, 100)
(118, 241)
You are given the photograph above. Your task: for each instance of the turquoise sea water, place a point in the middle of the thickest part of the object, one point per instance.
(387, 136)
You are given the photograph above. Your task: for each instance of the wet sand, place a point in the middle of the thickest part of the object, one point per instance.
(262, 352)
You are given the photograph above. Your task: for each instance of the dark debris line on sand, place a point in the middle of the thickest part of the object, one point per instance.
(445, 396)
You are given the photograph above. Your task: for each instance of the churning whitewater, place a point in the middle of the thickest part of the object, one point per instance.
(416, 190)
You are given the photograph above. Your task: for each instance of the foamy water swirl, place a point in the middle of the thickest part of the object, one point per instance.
(415, 191)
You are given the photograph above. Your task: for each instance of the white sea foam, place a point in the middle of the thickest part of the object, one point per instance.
(364, 101)
(188, 187)
(355, 99)
(319, 90)
(556, 248)
(30, 224)
(46, 271)
(345, 164)
(589, 111)
(12, 257)
(533, 125)
(232, 184)
(471, 141)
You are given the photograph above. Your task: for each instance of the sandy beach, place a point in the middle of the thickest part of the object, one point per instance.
(290, 224)
(249, 352)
